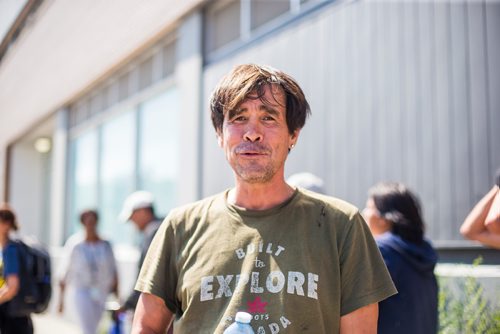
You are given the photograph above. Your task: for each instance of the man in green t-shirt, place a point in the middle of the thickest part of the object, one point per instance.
(297, 261)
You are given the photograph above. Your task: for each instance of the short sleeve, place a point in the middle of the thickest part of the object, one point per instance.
(10, 260)
(364, 276)
(158, 275)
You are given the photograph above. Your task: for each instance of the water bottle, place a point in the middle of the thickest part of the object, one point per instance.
(242, 324)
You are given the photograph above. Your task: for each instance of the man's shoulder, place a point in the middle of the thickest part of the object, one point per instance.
(332, 205)
(74, 240)
(197, 208)
(11, 248)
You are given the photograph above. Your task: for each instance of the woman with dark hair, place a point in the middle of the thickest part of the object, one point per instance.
(90, 268)
(9, 275)
(394, 217)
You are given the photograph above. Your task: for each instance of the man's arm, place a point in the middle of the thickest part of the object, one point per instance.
(474, 225)
(151, 315)
(10, 288)
(361, 321)
(492, 222)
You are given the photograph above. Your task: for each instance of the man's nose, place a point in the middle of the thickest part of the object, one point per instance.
(253, 133)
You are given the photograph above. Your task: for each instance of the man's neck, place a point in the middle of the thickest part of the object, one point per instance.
(3, 241)
(259, 196)
(92, 237)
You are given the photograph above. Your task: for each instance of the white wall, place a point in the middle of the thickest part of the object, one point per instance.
(3, 170)
(27, 195)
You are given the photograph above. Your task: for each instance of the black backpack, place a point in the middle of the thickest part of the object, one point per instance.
(35, 287)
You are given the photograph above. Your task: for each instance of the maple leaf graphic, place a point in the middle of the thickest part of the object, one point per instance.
(257, 306)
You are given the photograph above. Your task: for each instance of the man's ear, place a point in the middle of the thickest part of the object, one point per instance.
(295, 136)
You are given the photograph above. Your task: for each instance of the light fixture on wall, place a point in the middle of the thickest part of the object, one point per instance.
(43, 144)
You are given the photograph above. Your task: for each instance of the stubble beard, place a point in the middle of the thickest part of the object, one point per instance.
(254, 172)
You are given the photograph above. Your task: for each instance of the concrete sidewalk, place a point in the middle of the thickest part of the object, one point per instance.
(52, 322)
(48, 323)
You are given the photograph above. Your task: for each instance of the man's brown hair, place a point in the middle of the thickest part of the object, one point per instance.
(249, 81)
(8, 215)
(84, 214)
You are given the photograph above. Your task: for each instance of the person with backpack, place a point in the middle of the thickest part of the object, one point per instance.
(91, 269)
(10, 276)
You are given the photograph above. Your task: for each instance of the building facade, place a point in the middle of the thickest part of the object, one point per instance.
(115, 97)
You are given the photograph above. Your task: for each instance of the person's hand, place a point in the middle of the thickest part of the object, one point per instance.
(62, 286)
(116, 313)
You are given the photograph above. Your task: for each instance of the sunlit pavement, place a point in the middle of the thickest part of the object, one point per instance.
(49, 323)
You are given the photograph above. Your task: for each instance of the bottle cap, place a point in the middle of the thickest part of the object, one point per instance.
(243, 317)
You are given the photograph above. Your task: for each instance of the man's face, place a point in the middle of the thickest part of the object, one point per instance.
(255, 137)
(376, 223)
(89, 222)
(139, 218)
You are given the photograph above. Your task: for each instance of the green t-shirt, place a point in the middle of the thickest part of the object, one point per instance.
(296, 268)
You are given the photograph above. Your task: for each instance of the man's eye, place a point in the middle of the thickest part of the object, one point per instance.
(268, 118)
(239, 119)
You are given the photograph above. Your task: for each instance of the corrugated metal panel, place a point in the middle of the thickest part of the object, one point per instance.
(459, 85)
(492, 34)
(477, 67)
(402, 91)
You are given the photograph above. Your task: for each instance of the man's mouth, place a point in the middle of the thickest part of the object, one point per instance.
(251, 150)
(251, 153)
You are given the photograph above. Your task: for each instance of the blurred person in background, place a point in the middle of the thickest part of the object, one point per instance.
(9, 275)
(394, 216)
(483, 222)
(139, 209)
(307, 181)
(90, 268)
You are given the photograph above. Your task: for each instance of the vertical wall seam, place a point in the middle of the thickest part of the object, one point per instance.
(468, 97)
(434, 119)
(451, 124)
(487, 92)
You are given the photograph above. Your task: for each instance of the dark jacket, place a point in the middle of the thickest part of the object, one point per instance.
(149, 234)
(414, 310)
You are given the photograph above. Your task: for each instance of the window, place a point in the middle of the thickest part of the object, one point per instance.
(264, 11)
(140, 74)
(117, 175)
(136, 150)
(129, 142)
(159, 149)
(231, 23)
(146, 73)
(123, 86)
(223, 24)
(168, 59)
(84, 171)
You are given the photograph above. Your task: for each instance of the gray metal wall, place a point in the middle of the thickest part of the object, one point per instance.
(406, 91)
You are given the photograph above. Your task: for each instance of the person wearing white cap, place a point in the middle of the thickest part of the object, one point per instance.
(139, 208)
(296, 260)
(307, 181)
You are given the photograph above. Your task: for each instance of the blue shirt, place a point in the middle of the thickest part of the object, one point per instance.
(10, 260)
